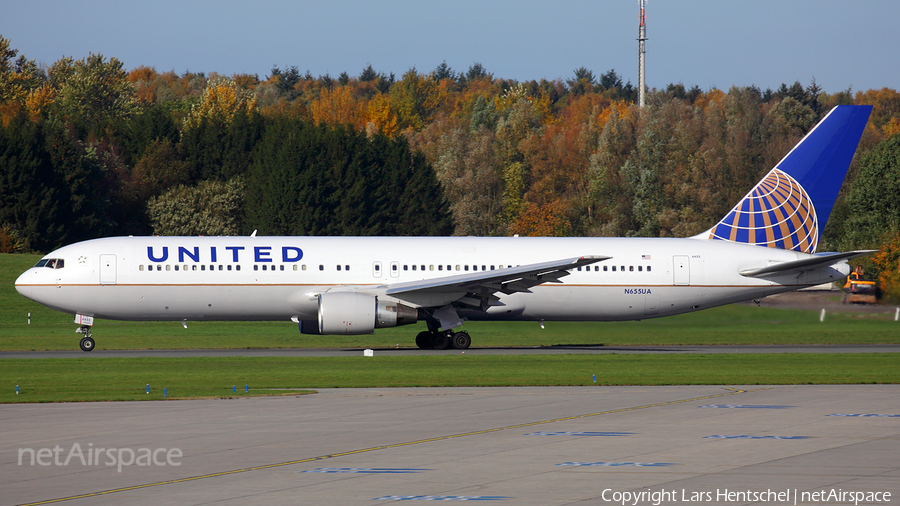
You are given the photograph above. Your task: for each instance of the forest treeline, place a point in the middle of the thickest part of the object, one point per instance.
(88, 149)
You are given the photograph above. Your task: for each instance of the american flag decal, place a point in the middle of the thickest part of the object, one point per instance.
(645, 257)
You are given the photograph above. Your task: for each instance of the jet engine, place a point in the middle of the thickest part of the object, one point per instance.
(349, 313)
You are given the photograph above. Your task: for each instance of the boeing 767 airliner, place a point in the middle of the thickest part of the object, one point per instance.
(352, 285)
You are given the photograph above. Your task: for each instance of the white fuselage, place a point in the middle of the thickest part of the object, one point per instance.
(278, 278)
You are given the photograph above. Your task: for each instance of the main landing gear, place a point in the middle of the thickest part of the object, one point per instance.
(441, 340)
(87, 342)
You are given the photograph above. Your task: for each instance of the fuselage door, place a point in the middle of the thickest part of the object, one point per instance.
(376, 269)
(395, 269)
(107, 269)
(681, 270)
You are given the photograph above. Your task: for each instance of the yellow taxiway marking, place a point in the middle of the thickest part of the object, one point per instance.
(731, 391)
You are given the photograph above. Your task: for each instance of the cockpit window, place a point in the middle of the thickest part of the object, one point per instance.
(52, 263)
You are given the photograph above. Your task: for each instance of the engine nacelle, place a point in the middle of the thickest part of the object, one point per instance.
(349, 313)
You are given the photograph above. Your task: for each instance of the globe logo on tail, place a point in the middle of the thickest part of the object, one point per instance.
(777, 213)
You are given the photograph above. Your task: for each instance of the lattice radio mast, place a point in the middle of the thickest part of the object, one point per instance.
(642, 36)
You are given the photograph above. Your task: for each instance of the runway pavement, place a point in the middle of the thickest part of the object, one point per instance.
(541, 446)
(344, 352)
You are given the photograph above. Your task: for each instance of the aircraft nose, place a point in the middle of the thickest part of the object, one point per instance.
(24, 281)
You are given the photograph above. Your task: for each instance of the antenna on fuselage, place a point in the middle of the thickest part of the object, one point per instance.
(253, 234)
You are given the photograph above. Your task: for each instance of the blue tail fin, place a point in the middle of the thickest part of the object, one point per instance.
(788, 209)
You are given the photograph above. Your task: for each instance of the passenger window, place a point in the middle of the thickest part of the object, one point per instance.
(457, 268)
(630, 268)
(168, 267)
(483, 268)
(295, 267)
(321, 267)
(237, 267)
(467, 267)
(423, 268)
(640, 268)
(614, 268)
(648, 268)
(405, 267)
(430, 267)
(255, 267)
(141, 267)
(338, 267)
(492, 267)
(579, 269)
(414, 267)
(203, 267)
(377, 267)
(346, 267)
(301, 268)
(393, 267)
(623, 268)
(229, 267)
(440, 267)
(604, 268)
(159, 267)
(221, 267)
(280, 267)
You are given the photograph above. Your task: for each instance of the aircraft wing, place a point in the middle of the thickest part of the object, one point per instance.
(806, 264)
(482, 286)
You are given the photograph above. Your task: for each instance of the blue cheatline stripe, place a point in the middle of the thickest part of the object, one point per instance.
(865, 415)
(543, 433)
(617, 464)
(441, 498)
(745, 406)
(755, 437)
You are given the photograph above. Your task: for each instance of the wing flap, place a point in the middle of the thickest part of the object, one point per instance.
(486, 283)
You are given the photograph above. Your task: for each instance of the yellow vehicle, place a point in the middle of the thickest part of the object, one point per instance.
(857, 289)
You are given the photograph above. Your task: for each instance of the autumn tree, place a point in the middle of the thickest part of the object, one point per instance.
(467, 169)
(18, 76)
(210, 208)
(93, 93)
(221, 131)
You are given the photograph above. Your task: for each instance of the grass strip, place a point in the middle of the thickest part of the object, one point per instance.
(121, 379)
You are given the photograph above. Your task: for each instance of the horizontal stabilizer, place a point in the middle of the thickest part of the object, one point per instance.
(806, 264)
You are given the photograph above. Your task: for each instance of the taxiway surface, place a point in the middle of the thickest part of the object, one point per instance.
(543, 446)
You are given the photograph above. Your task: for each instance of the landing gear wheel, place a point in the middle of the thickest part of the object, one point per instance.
(441, 340)
(461, 340)
(423, 340)
(87, 344)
